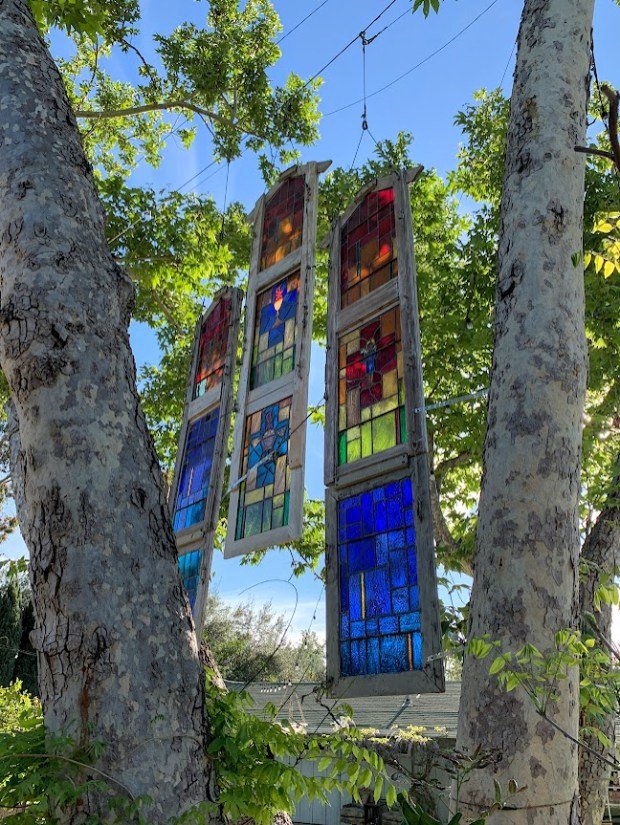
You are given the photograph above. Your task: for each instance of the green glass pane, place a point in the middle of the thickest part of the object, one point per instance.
(403, 425)
(354, 450)
(276, 519)
(277, 366)
(342, 448)
(366, 439)
(267, 515)
(253, 519)
(383, 433)
(287, 497)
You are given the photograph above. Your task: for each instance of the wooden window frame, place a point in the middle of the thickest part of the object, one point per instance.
(295, 383)
(201, 536)
(404, 460)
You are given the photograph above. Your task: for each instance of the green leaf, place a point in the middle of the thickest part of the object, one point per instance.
(498, 665)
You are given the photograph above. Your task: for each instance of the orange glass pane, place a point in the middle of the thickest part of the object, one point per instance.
(283, 222)
(368, 247)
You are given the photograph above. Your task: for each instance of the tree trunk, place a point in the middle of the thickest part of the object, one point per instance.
(601, 548)
(526, 565)
(118, 660)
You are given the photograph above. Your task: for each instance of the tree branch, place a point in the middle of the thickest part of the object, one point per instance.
(448, 464)
(589, 150)
(108, 114)
(614, 100)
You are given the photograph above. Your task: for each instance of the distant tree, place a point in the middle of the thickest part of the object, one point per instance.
(250, 644)
(25, 666)
(10, 628)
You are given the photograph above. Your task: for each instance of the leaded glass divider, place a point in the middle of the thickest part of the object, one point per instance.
(382, 605)
(196, 491)
(267, 470)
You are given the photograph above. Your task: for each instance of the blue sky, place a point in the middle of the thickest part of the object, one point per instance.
(423, 103)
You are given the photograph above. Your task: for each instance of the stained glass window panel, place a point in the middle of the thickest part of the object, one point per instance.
(371, 401)
(196, 471)
(380, 620)
(283, 222)
(189, 565)
(265, 490)
(273, 352)
(368, 247)
(212, 348)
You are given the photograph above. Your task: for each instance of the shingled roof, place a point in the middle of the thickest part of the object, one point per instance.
(299, 703)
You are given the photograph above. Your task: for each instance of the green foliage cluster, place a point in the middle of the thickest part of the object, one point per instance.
(258, 760)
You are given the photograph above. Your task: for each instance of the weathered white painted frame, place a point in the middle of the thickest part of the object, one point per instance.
(202, 536)
(295, 384)
(404, 460)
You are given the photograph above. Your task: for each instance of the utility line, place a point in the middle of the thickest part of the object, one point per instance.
(417, 65)
(301, 22)
(351, 42)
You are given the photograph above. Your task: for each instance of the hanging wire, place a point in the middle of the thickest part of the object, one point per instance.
(357, 151)
(417, 65)
(349, 44)
(274, 453)
(514, 46)
(301, 22)
(223, 226)
(274, 653)
(460, 399)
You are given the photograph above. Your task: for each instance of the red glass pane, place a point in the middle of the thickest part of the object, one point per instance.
(370, 389)
(212, 348)
(283, 222)
(368, 249)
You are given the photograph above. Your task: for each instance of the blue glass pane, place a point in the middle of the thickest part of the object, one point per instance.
(195, 473)
(380, 627)
(189, 566)
(394, 658)
(263, 496)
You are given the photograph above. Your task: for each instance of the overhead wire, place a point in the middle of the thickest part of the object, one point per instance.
(301, 22)
(437, 51)
(514, 46)
(350, 43)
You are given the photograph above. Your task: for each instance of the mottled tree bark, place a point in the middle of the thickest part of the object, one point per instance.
(526, 564)
(118, 660)
(601, 549)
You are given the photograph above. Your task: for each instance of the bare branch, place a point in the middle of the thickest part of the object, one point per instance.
(166, 105)
(614, 100)
(590, 150)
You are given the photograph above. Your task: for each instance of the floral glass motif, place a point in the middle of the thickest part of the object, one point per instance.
(283, 222)
(196, 471)
(273, 354)
(264, 492)
(368, 250)
(212, 348)
(380, 621)
(189, 565)
(371, 401)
